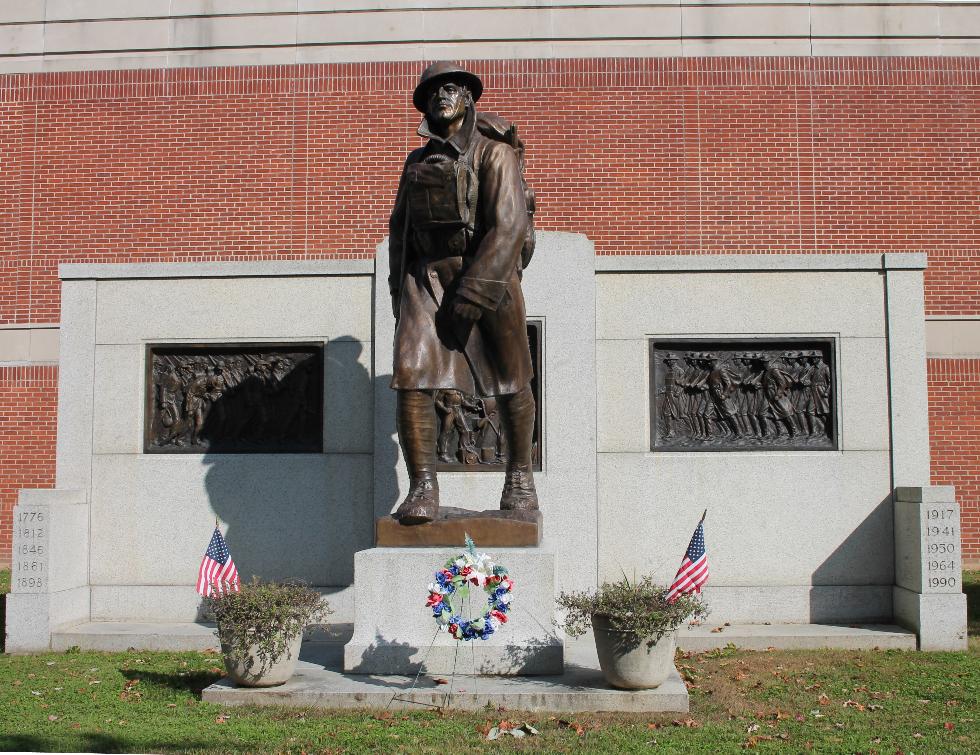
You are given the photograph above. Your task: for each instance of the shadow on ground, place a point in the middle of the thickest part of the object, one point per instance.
(971, 586)
(92, 743)
(188, 681)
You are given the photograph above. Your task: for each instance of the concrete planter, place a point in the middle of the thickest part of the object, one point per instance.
(261, 674)
(627, 661)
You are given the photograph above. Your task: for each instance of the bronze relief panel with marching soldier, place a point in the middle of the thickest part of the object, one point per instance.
(743, 395)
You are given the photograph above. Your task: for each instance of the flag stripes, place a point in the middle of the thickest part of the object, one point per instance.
(217, 574)
(693, 571)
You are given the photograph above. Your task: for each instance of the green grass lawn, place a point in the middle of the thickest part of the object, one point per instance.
(786, 701)
(4, 581)
(828, 701)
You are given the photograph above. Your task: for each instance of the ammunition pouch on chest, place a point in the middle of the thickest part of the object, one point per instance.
(442, 194)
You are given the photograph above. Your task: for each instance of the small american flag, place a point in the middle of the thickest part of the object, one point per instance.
(218, 572)
(694, 567)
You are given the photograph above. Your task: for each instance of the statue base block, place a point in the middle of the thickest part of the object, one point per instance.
(394, 632)
(490, 529)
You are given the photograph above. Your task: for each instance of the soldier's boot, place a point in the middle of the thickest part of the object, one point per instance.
(418, 432)
(519, 493)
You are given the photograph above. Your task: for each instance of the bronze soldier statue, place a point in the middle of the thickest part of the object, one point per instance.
(459, 239)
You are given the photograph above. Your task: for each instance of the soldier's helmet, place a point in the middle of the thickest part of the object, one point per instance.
(440, 72)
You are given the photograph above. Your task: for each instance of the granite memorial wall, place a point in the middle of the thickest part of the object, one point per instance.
(801, 475)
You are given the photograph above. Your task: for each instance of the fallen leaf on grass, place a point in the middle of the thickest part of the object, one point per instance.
(917, 736)
(76, 726)
(171, 705)
(688, 723)
(36, 693)
(752, 728)
(221, 719)
(874, 707)
(563, 724)
(952, 703)
(949, 726)
(823, 700)
(52, 718)
(853, 704)
(754, 740)
(653, 726)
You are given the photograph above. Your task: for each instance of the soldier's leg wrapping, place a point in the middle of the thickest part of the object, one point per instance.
(519, 492)
(418, 431)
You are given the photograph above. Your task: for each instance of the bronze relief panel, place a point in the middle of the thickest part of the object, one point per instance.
(471, 431)
(743, 394)
(234, 398)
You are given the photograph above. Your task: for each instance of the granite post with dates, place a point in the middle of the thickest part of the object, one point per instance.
(49, 586)
(928, 593)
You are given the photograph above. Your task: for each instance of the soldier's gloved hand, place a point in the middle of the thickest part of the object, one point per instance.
(466, 311)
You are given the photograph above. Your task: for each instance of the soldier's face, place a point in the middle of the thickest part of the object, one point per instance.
(447, 103)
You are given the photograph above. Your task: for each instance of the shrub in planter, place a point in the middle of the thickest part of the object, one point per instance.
(260, 628)
(634, 625)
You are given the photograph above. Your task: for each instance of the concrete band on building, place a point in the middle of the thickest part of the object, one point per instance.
(223, 132)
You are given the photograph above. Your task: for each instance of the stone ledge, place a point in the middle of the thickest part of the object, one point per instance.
(796, 637)
(258, 269)
(808, 263)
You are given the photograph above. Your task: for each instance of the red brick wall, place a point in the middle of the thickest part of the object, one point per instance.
(653, 156)
(28, 407)
(644, 155)
(954, 424)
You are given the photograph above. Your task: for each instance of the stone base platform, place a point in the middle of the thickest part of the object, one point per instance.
(319, 683)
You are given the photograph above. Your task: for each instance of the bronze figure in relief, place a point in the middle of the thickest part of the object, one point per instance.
(460, 236)
(234, 399)
(729, 399)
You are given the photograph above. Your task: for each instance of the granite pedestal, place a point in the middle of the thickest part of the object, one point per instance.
(394, 632)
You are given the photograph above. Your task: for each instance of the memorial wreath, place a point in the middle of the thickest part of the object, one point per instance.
(452, 587)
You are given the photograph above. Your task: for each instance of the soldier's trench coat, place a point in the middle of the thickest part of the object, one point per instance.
(430, 269)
